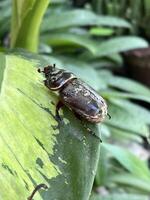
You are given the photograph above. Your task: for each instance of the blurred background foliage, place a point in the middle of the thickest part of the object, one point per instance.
(94, 39)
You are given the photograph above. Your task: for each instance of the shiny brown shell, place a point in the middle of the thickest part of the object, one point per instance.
(76, 94)
(84, 100)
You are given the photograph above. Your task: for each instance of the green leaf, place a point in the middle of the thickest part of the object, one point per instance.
(123, 135)
(44, 48)
(131, 162)
(101, 178)
(5, 13)
(104, 130)
(128, 85)
(138, 111)
(119, 196)
(5, 8)
(99, 31)
(80, 17)
(129, 180)
(124, 95)
(119, 44)
(2, 66)
(97, 48)
(26, 19)
(35, 147)
(69, 39)
(122, 118)
(84, 71)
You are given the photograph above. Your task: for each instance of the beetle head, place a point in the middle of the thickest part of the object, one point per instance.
(47, 70)
(55, 78)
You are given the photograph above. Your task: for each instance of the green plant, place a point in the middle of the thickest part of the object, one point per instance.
(35, 147)
(138, 14)
(26, 20)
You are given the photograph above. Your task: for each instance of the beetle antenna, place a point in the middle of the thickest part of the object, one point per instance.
(39, 70)
(38, 187)
(109, 115)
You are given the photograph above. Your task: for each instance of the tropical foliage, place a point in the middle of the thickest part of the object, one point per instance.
(35, 147)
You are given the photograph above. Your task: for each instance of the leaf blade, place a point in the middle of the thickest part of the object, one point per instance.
(46, 153)
(131, 162)
(80, 17)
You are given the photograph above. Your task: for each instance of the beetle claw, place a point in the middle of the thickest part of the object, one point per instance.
(58, 118)
(58, 107)
(109, 115)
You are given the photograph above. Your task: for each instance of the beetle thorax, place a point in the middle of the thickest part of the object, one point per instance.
(56, 78)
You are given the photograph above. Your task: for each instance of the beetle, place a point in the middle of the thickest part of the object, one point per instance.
(78, 96)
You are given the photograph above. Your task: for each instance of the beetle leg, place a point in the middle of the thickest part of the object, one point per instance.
(78, 116)
(91, 132)
(45, 83)
(85, 126)
(58, 107)
(38, 187)
(109, 115)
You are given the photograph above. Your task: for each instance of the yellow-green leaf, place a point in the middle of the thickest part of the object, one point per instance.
(35, 147)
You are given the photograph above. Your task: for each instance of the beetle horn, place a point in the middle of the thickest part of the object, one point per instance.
(53, 67)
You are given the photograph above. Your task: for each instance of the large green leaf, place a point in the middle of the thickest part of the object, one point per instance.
(128, 160)
(69, 39)
(101, 178)
(115, 45)
(130, 180)
(80, 18)
(119, 44)
(98, 48)
(128, 85)
(119, 196)
(137, 111)
(121, 135)
(126, 120)
(35, 147)
(124, 95)
(5, 10)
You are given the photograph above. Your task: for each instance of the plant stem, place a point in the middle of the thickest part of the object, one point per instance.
(26, 20)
